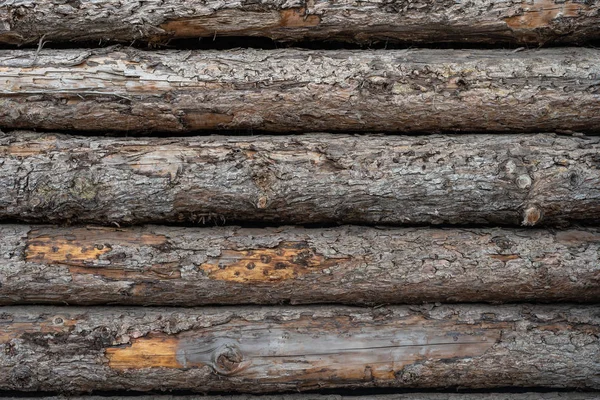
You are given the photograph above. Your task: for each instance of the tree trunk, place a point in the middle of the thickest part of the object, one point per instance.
(410, 396)
(479, 21)
(301, 91)
(64, 349)
(354, 265)
(461, 179)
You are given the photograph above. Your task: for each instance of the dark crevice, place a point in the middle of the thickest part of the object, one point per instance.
(424, 305)
(265, 43)
(257, 132)
(287, 303)
(342, 392)
(216, 221)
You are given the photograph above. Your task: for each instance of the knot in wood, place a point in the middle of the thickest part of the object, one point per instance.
(227, 359)
(531, 216)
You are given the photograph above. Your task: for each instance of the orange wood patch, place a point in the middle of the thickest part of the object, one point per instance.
(505, 257)
(57, 250)
(80, 246)
(147, 352)
(541, 13)
(239, 22)
(287, 261)
(206, 120)
(297, 18)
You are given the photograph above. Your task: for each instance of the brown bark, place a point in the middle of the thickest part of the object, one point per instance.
(458, 179)
(476, 21)
(355, 265)
(408, 396)
(299, 91)
(68, 349)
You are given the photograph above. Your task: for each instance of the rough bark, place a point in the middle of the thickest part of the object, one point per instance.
(300, 91)
(407, 396)
(271, 349)
(354, 265)
(478, 21)
(320, 178)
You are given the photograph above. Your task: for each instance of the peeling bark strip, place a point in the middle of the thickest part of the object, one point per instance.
(354, 265)
(268, 349)
(463, 179)
(411, 396)
(299, 91)
(478, 21)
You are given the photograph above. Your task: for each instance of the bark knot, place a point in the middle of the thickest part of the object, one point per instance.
(228, 359)
(531, 216)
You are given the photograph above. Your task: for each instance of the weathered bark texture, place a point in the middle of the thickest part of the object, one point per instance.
(478, 21)
(191, 266)
(299, 91)
(481, 179)
(407, 396)
(69, 349)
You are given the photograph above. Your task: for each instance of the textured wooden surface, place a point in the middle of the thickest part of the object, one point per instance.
(190, 266)
(407, 396)
(301, 90)
(476, 21)
(532, 180)
(250, 349)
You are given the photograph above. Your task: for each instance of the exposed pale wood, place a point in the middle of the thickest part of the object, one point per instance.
(187, 266)
(475, 21)
(69, 349)
(480, 179)
(299, 91)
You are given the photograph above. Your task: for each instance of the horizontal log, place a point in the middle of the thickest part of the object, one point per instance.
(354, 265)
(457, 179)
(269, 349)
(480, 21)
(303, 396)
(301, 91)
